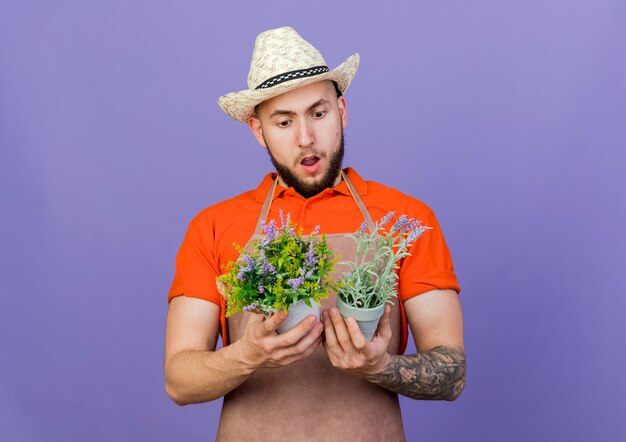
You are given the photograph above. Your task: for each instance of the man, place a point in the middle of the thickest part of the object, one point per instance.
(321, 380)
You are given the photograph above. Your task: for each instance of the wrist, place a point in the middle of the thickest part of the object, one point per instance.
(380, 367)
(243, 357)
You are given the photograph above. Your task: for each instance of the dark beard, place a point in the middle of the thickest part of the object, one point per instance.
(305, 189)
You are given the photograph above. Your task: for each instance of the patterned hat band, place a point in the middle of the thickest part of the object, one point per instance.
(281, 62)
(292, 75)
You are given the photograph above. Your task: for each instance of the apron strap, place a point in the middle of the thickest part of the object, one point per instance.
(355, 195)
(359, 202)
(265, 210)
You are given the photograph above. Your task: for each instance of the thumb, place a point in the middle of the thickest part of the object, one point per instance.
(274, 321)
(384, 326)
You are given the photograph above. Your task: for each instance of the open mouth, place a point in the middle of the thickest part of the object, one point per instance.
(309, 161)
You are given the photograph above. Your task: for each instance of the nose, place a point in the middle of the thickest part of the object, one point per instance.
(306, 137)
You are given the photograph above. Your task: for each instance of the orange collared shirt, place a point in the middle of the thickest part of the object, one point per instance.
(208, 244)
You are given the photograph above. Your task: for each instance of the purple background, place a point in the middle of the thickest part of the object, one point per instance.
(506, 117)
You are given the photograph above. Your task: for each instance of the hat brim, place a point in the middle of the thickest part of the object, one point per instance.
(240, 105)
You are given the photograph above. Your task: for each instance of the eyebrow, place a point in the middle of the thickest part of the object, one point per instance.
(310, 108)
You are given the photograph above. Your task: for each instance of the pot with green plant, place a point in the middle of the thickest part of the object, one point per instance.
(283, 270)
(370, 282)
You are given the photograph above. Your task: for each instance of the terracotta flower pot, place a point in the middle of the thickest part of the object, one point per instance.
(367, 318)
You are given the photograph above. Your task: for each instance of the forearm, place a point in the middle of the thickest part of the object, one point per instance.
(195, 376)
(435, 374)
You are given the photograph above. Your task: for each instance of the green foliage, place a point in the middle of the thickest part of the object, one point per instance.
(281, 269)
(373, 275)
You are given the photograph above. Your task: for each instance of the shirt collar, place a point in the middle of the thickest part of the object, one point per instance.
(359, 184)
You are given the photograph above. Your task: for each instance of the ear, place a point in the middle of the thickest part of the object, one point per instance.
(257, 130)
(343, 111)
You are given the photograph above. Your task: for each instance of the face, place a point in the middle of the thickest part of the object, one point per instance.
(303, 133)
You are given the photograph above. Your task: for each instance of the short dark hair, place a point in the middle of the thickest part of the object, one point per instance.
(337, 90)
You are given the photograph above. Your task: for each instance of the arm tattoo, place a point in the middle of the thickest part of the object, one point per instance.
(435, 374)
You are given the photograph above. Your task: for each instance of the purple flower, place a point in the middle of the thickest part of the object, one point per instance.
(414, 224)
(401, 223)
(284, 222)
(416, 233)
(363, 227)
(268, 268)
(270, 230)
(316, 231)
(262, 262)
(249, 261)
(295, 282)
(261, 289)
(246, 267)
(310, 259)
(386, 218)
(250, 307)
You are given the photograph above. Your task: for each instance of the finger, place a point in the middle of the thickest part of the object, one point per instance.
(303, 345)
(358, 340)
(341, 331)
(330, 338)
(274, 321)
(330, 353)
(253, 319)
(297, 333)
(310, 338)
(384, 325)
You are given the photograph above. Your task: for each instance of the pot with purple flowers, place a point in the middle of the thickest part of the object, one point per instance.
(371, 280)
(284, 270)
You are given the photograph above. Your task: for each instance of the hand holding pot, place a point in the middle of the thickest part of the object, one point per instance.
(347, 348)
(260, 346)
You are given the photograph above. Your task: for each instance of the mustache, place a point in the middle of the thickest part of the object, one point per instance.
(309, 153)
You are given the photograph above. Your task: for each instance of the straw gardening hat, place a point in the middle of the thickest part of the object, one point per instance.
(283, 61)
